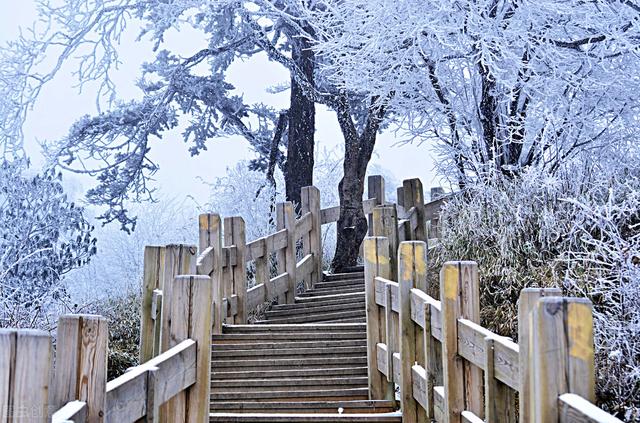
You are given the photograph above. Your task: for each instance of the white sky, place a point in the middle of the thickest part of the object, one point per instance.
(60, 105)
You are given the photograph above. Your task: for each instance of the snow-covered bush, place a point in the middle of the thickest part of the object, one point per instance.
(43, 236)
(578, 230)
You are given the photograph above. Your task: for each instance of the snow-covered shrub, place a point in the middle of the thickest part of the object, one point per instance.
(43, 236)
(579, 230)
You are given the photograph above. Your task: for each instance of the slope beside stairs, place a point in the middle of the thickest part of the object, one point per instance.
(306, 362)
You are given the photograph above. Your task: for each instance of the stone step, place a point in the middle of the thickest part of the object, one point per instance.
(331, 291)
(283, 363)
(317, 327)
(310, 318)
(344, 275)
(371, 406)
(339, 284)
(302, 383)
(287, 352)
(316, 309)
(320, 303)
(330, 297)
(311, 372)
(219, 346)
(231, 338)
(293, 394)
(394, 417)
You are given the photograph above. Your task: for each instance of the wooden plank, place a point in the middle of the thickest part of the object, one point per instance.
(368, 205)
(277, 241)
(311, 203)
(178, 260)
(575, 409)
(381, 287)
(329, 215)
(384, 360)
(256, 249)
(438, 404)
(150, 282)
(431, 360)
(561, 354)
(450, 288)
(156, 314)
(74, 411)
(500, 404)
(234, 234)
(127, 394)
(418, 298)
(420, 386)
(469, 417)
(7, 363)
(191, 318)
(375, 190)
(30, 378)
(412, 272)
(303, 225)
(376, 255)
(471, 346)
(385, 223)
(414, 197)
(305, 266)
(286, 258)
(81, 363)
(211, 237)
(390, 332)
(528, 299)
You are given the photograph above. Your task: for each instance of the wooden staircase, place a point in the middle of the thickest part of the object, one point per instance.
(306, 362)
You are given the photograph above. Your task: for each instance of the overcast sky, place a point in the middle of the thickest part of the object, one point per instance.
(60, 104)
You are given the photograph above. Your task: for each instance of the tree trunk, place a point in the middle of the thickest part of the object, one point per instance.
(302, 114)
(352, 224)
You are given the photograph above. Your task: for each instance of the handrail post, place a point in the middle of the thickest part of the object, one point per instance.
(285, 219)
(153, 257)
(210, 235)
(460, 298)
(81, 363)
(376, 253)
(178, 260)
(385, 224)
(412, 272)
(191, 316)
(25, 365)
(413, 196)
(375, 189)
(526, 303)
(561, 356)
(234, 234)
(434, 223)
(311, 203)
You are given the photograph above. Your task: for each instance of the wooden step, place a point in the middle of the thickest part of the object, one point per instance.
(371, 406)
(354, 320)
(310, 318)
(311, 372)
(394, 417)
(316, 310)
(294, 394)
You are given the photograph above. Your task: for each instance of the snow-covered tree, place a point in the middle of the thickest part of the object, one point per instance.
(501, 84)
(43, 236)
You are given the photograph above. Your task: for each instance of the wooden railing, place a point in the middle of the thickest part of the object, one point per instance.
(451, 369)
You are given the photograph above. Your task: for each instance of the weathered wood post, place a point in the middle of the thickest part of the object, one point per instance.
(375, 189)
(500, 404)
(412, 272)
(178, 260)
(234, 234)
(528, 299)
(191, 316)
(210, 264)
(311, 203)
(25, 365)
(385, 224)
(434, 222)
(561, 354)
(460, 297)
(376, 252)
(285, 219)
(81, 363)
(400, 201)
(150, 316)
(414, 197)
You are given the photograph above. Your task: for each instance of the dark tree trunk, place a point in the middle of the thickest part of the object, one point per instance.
(352, 224)
(302, 114)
